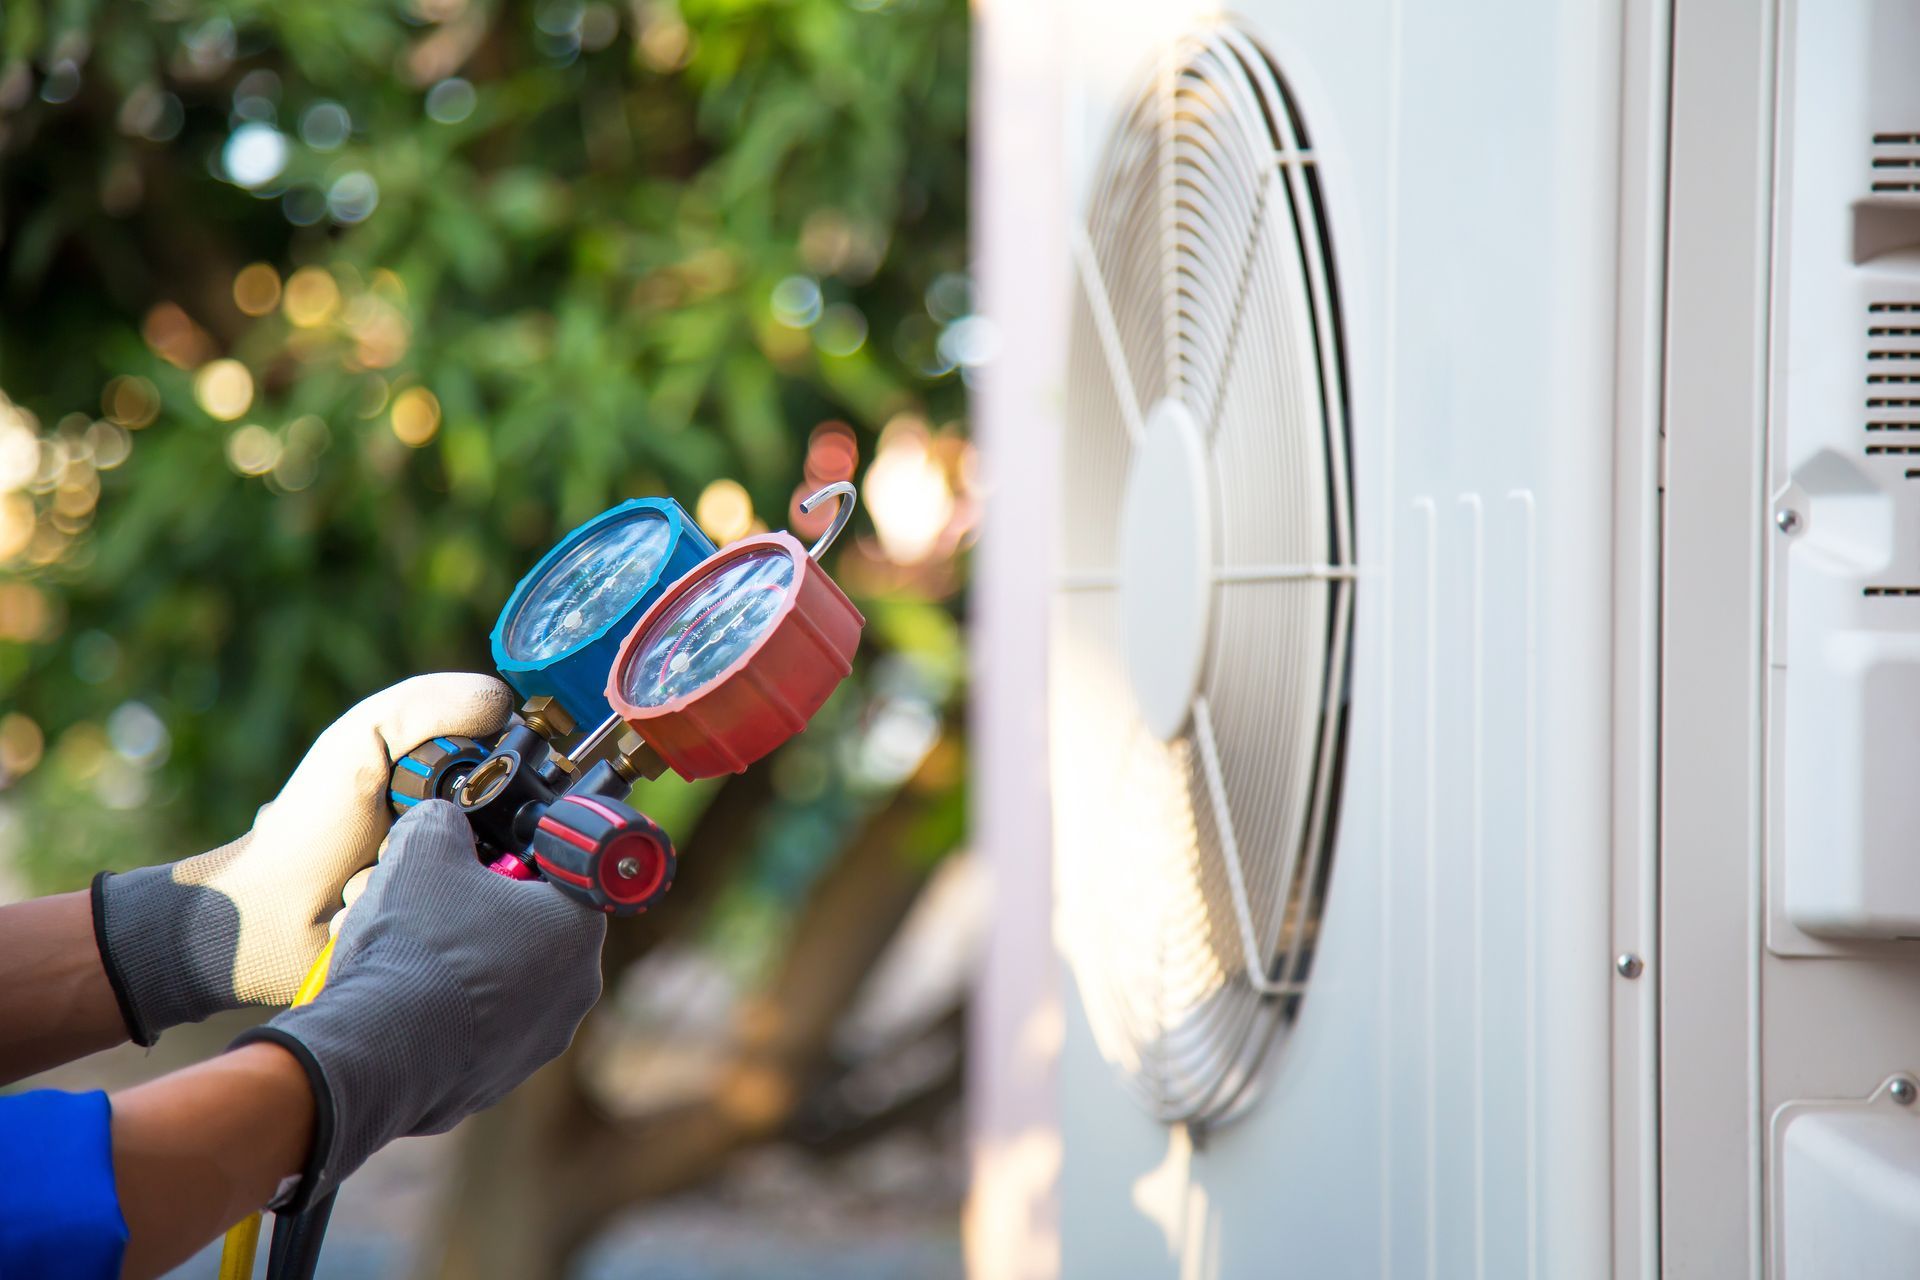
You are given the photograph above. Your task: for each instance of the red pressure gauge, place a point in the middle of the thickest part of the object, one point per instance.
(736, 656)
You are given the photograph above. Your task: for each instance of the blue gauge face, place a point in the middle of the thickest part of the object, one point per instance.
(589, 587)
(709, 629)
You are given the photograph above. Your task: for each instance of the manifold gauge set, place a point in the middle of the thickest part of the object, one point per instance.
(638, 647)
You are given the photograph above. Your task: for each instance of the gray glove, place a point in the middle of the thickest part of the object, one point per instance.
(450, 984)
(241, 925)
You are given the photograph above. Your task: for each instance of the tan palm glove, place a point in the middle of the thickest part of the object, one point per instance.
(241, 925)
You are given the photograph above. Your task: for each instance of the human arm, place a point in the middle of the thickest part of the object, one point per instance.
(240, 925)
(55, 1001)
(91, 1189)
(197, 1150)
(430, 1013)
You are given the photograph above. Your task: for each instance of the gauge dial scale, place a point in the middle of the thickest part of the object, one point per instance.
(565, 620)
(735, 657)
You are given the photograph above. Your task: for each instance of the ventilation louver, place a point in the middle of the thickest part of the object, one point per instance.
(1896, 163)
(1893, 402)
(1201, 638)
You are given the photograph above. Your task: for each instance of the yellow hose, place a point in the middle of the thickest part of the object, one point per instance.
(236, 1255)
(243, 1237)
(316, 977)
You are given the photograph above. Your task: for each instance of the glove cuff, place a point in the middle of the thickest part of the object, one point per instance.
(168, 948)
(136, 1029)
(363, 1043)
(315, 1172)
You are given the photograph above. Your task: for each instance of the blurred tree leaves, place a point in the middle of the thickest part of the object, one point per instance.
(563, 222)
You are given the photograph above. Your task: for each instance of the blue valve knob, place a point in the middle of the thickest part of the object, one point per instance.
(432, 771)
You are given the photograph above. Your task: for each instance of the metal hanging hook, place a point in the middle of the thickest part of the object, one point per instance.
(842, 490)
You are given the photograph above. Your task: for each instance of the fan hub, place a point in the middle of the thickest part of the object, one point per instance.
(1166, 546)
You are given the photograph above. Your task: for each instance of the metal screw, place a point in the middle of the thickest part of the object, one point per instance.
(628, 867)
(1629, 965)
(1787, 519)
(1903, 1091)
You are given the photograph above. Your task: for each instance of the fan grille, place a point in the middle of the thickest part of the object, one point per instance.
(1192, 866)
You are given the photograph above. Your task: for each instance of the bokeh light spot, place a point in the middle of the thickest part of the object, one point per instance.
(450, 101)
(666, 44)
(223, 388)
(131, 401)
(252, 450)
(599, 24)
(151, 113)
(21, 745)
(353, 197)
(325, 125)
(724, 511)
(138, 734)
(796, 302)
(970, 341)
(312, 297)
(842, 330)
(256, 289)
(19, 455)
(949, 297)
(304, 440)
(379, 331)
(76, 496)
(907, 492)
(109, 443)
(174, 337)
(24, 612)
(372, 399)
(61, 83)
(415, 417)
(832, 454)
(255, 154)
(257, 96)
(304, 206)
(16, 524)
(386, 282)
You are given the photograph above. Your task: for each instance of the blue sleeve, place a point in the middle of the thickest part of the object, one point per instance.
(59, 1210)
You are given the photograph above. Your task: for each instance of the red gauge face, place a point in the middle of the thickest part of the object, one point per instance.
(734, 658)
(710, 629)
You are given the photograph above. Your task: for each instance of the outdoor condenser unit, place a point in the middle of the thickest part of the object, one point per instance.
(1474, 456)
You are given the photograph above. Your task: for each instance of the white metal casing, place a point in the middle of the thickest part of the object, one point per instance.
(1845, 581)
(1444, 1105)
(1784, 1005)
(1533, 287)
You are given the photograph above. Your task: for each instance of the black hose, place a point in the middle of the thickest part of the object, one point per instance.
(295, 1252)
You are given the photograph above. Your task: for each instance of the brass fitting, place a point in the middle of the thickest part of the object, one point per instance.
(634, 760)
(547, 718)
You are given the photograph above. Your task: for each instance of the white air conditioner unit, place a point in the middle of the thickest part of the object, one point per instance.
(1456, 497)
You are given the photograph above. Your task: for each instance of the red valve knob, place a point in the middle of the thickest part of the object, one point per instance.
(604, 853)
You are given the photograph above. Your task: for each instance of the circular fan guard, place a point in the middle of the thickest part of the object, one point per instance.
(1199, 680)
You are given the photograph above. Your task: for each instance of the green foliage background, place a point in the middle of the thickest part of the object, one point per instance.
(583, 269)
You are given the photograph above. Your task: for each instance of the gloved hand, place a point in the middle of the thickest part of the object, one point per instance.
(449, 985)
(242, 924)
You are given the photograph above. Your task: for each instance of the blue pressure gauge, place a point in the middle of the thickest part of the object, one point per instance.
(564, 622)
